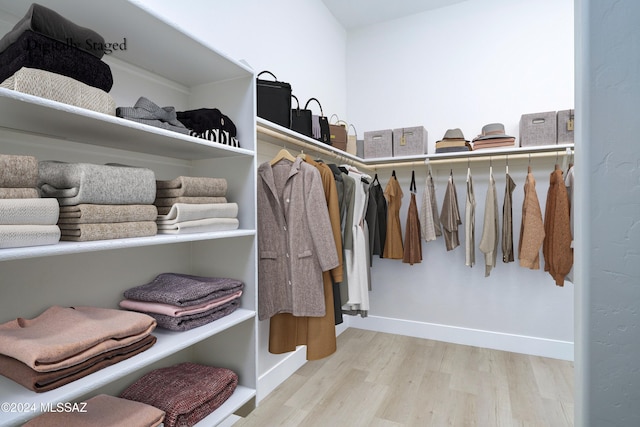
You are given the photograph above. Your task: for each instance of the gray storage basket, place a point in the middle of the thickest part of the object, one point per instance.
(538, 129)
(378, 144)
(411, 141)
(565, 120)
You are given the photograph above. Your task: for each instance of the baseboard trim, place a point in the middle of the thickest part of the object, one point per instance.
(488, 339)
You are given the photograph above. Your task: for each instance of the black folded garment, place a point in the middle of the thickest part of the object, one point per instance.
(204, 119)
(47, 22)
(34, 50)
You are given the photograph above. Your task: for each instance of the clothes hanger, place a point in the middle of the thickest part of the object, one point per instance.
(468, 168)
(412, 186)
(506, 168)
(393, 173)
(283, 154)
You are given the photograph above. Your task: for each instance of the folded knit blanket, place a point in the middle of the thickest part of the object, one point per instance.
(77, 183)
(190, 321)
(47, 22)
(98, 214)
(203, 119)
(59, 88)
(183, 290)
(45, 381)
(104, 411)
(208, 388)
(200, 226)
(65, 336)
(181, 212)
(18, 171)
(19, 193)
(170, 201)
(106, 231)
(34, 50)
(29, 211)
(145, 111)
(192, 186)
(19, 236)
(173, 310)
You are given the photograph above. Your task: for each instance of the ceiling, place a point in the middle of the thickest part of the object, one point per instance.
(358, 13)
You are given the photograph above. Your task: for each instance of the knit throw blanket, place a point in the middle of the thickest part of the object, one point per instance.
(49, 23)
(28, 211)
(106, 231)
(182, 212)
(192, 186)
(19, 193)
(19, 236)
(45, 381)
(146, 112)
(59, 88)
(65, 336)
(184, 323)
(34, 50)
(184, 290)
(208, 388)
(175, 311)
(207, 225)
(77, 183)
(96, 214)
(104, 411)
(18, 171)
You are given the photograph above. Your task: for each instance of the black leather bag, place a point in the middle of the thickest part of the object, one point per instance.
(312, 125)
(301, 119)
(274, 100)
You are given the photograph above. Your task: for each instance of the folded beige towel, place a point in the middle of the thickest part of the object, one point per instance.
(18, 171)
(181, 212)
(19, 236)
(192, 186)
(92, 214)
(170, 201)
(29, 211)
(104, 411)
(107, 231)
(19, 193)
(200, 226)
(64, 336)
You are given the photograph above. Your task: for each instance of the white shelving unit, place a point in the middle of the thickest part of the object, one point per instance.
(169, 68)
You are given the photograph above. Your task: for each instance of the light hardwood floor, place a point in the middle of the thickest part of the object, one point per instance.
(385, 380)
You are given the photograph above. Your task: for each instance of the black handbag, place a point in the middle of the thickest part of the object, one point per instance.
(301, 119)
(309, 124)
(274, 100)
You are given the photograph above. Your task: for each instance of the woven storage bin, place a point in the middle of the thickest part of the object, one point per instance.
(411, 141)
(538, 129)
(565, 126)
(378, 144)
(60, 88)
(360, 148)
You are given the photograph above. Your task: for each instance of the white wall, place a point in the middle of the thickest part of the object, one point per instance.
(467, 65)
(607, 89)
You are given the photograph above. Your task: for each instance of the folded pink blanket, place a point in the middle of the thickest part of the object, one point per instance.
(190, 321)
(104, 411)
(208, 388)
(64, 336)
(174, 310)
(192, 186)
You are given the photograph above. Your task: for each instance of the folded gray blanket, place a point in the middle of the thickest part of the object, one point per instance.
(145, 111)
(29, 211)
(184, 323)
(92, 214)
(47, 22)
(19, 236)
(206, 225)
(106, 231)
(78, 183)
(18, 171)
(181, 212)
(184, 290)
(192, 186)
(170, 201)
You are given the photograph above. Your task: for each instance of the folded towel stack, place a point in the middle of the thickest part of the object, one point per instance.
(186, 392)
(25, 219)
(99, 202)
(64, 344)
(194, 205)
(105, 411)
(210, 124)
(181, 302)
(49, 56)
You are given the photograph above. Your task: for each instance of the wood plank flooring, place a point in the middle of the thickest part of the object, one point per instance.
(385, 380)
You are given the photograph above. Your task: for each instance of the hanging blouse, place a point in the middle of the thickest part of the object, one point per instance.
(532, 228)
(556, 248)
(470, 224)
(393, 247)
(489, 241)
(450, 216)
(507, 221)
(412, 242)
(376, 192)
(569, 182)
(429, 221)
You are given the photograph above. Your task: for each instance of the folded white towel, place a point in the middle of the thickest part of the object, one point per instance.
(200, 226)
(18, 236)
(181, 212)
(29, 211)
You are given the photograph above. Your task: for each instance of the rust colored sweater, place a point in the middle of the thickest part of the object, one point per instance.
(556, 249)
